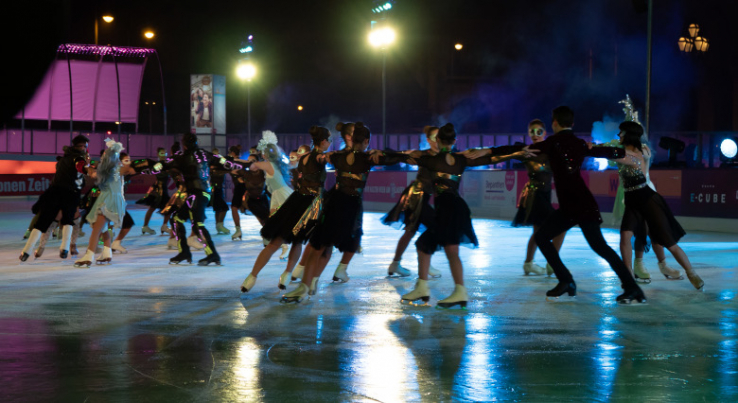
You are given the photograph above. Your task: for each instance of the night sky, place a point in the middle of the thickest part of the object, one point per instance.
(520, 59)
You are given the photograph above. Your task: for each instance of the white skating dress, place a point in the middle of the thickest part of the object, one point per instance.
(277, 187)
(111, 203)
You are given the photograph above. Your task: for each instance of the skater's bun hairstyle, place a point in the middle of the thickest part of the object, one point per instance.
(189, 140)
(345, 129)
(446, 134)
(428, 130)
(160, 149)
(537, 122)
(632, 133)
(79, 139)
(175, 147)
(319, 134)
(564, 115)
(123, 154)
(361, 133)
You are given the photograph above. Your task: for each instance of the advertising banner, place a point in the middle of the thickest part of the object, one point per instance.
(24, 184)
(207, 104)
(709, 194)
(385, 187)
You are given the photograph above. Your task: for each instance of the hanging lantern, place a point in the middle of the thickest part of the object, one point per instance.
(682, 44)
(694, 29)
(699, 42)
(705, 44)
(689, 45)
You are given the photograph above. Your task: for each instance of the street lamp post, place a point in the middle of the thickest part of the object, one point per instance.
(247, 71)
(381, 38)
(106, 18)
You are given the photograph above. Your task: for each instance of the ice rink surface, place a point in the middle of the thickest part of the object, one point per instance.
(144, 331)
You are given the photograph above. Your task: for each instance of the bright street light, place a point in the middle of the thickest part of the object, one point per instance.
(382, 37)
(299, 107)
(149, 34)
(458, 46)
(108, 18)
(246, 71)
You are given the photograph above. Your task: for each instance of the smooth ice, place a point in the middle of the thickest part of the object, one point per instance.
(141, 330)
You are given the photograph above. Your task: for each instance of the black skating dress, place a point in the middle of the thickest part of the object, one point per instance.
(646, 212)
(251, 187)
(340, 224)
(296, 219)
(413, 210)
(534, 203)
(158, 194)
(453, 225)
(217, 182)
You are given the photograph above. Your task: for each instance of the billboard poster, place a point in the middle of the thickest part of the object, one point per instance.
(219, 104)
(201, 104)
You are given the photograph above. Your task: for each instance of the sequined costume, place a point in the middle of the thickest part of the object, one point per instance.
(340, 224)
(296, 219)
(534, 203)
(413, 210)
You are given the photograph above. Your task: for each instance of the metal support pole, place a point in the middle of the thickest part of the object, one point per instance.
(384, 97)
(248, 95)
(117, 82)
(96, 18)
(647, 120)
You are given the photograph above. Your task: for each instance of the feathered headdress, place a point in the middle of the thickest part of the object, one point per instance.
(630, 113)
(267, 137)
(114, 146)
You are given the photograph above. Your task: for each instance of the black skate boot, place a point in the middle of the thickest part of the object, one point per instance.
(211, 258)
(181, 258)
(561, 289)
(24, 256)
(63, 254)
(630, 295)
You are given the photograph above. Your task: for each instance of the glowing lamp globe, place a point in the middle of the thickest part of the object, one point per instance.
(246, 71)
(729, 148)
(108, 18)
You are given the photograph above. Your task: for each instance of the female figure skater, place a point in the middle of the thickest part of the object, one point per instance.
(414, 209)
(534, 205)
(110, 205)
(643, 204)
(275, 170)
(340, 225)
(157, 198)
(295, 220)
(220, 207)
(453, 225)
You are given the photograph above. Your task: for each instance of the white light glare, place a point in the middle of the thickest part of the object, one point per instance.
(382, 37)
(729, 148)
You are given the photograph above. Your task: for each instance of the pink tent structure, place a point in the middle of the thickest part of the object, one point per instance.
(92, 83)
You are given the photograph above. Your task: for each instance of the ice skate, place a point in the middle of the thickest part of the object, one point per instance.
(340, 275)
(283, 280)
(85, 260)
(639, 271)
(296, 295)
(695, 279)
(165, 230)
(73, 250)
(630, 295)
(172, 243)
(212, 258)
(248, 284)
(549, 270)
(194, 242)
(181, 259)
(297, 272)
(222, 230)
(106, 257)
(669, 273)
(561, 289)
(66, 241)
(27, 234)
(433, 272)
(237, 234)
(285, 252)
(420, 292)
(532, 268)
(396, 268)
(458, 297)
(117, 247)
(55, 234)
(313, 286)
(39, 252)
(82, 233)
(30, 244)
(146, 230)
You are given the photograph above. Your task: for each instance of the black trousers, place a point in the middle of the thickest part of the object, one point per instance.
(193, 210)
(558, 223)
(53, 200)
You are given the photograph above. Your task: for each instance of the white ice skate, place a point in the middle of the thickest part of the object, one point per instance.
(532, 268)
(106, 257)
(172, 243)
(86, 259)
(340, 275)
(285, 252)
(420, 292)
(458, 297)
(146, 230)
(117, 247)
(296, 295)
(396, 269)
(641, 274)
(165, 230)
(283, 280)
(549, 270)
(237, 234)
(433, 272)
(297, 272)
(669, 273)
(221, 229)
(249, 283)
(194, 242)
(313, 286)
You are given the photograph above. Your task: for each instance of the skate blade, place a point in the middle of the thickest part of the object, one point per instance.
(668, 277)
(643, 280)
(209, 264)
(182, 263)
(291, 300)
(448, 306)
(420, 302)
(632, 302)
(562, 298)
(102, 263)
(83, 265)
(339, 280)
(436, 276)
(396, 275)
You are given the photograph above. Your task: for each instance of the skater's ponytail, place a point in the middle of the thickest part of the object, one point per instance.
(318, 134)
